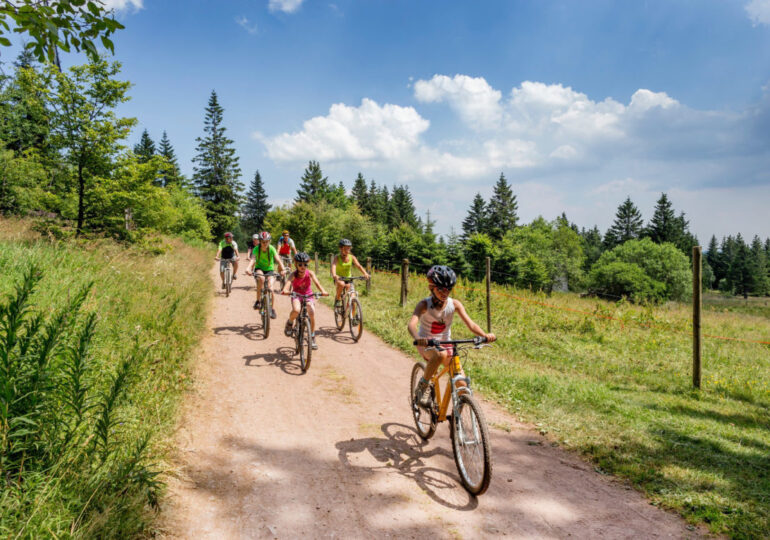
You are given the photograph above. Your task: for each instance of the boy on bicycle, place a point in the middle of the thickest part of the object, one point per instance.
(434, 315)
(227, 252)
(342, 267)
(265, 257)
(300, 282)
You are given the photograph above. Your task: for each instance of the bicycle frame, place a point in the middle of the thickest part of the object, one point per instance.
(451, 389)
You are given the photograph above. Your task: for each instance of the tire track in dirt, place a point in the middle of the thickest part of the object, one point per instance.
(265, 451)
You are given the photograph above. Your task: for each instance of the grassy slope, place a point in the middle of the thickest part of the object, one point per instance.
(621, 393)
(159, 300)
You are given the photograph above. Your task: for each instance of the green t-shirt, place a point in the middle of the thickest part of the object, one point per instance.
(265, 260)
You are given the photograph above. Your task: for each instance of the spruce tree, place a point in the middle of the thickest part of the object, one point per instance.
(402, 208)
(759, 267)
(592, 246)
(171, 174)
(712, 258)
(360, 194)
(456, 254)
(476, 220)
(502, 209)
(255, 208)
(314, 187)
(628, 225)
(663, 226)
(741, 275)
(145, 148)
(217, 171)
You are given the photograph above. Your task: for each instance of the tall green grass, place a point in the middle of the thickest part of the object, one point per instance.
(620, 391)
(94, 345)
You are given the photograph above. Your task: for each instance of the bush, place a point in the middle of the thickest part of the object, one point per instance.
(642, 270)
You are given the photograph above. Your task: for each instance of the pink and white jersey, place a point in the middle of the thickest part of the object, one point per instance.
(302, 285)
(435, 324)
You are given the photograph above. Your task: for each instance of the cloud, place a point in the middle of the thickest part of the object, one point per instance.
(121, 5)
(621, 187)
(287, 6)
(369, 132)
(477, 103)
(759, 11)
(244, 23)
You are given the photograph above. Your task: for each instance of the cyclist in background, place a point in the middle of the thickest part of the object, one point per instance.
(228, 251)
(286, 246)
(300, 282)
(342, 267)
(434, 315)
(264, 259)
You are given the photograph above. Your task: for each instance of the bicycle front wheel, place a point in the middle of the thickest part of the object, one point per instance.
(424, 419)
(356, 319)
(228, 281)
(470, 443)
(266, 314)
(305, 345)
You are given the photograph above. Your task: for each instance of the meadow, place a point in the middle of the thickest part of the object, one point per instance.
(613, 382)
(96, 426)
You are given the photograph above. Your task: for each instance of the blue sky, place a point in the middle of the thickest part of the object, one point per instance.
(579, 104)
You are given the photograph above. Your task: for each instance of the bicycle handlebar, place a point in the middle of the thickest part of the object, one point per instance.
(349, 279)
(478, 340)
(304, 296)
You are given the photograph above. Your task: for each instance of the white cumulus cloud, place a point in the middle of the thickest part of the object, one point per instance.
(287, 6)
(759, 11)
(477, 103)
(121, 5)
(247, 25)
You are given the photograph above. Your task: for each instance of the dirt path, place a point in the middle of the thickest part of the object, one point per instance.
(265, 451)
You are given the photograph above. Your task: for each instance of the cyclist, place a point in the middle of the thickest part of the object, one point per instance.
(434, 315)
(228, 251)
(264, 259)
(286, 247)
(300, 282)
(342, 267)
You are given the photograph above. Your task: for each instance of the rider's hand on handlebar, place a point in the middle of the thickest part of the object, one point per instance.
(490, 337)
(423, 342)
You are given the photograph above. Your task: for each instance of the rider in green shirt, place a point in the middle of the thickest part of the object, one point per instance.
(264, 259)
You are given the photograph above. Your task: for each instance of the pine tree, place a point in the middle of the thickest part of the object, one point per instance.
(759, 267)
(314, 187)
(456, 254)
(171, 175)
(502, 210)
(741, 274)
(402, 208)
(592, 246)
(662, 226)
(145, 148)
(628, 225)
(712, 258)
(217, 172)
(360, 195)
(255, 208)
(476, 220)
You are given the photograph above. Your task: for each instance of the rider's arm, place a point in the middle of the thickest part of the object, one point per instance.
(277, 260)
(419, 309)
(219, 252)
(472, 326)
(252, 263)
(317, 283)
(287, 285)
(358, 265)
(334, 269)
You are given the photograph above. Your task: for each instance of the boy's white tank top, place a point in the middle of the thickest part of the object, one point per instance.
(435, 324)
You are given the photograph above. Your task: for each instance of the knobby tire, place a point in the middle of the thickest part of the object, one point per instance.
(305, 345)
(424, 420)
(470, 444)
(356, 315)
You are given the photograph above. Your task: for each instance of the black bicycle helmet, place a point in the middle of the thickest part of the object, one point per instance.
(442, 276)
(345, 242)
(301, 257)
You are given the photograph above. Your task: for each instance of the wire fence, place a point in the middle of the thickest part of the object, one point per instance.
(388, 266)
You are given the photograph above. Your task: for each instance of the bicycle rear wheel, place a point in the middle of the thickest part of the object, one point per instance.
(356, 319)
(424, 419)
(339, 314)
(305, 344)
(266, 314)
(470, 443)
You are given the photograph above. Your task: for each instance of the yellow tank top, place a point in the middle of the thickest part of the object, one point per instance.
(345, 269)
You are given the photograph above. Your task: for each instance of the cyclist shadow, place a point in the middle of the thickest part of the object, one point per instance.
(402, 450)
(251, 332)
(331, 332)
(283, 358)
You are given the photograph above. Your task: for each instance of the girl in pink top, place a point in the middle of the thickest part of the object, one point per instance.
(300, 282)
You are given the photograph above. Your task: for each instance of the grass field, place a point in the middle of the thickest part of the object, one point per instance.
(620, 391)
(152, 303)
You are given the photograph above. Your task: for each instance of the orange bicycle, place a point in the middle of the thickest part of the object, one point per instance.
(468, 430)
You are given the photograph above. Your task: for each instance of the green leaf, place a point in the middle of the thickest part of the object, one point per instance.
(108, 44)
(94, 9)
(5, 42)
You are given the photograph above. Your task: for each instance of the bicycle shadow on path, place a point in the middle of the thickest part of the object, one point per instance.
(250, 331)
(403, 451)
(331, 332)
(283, 358)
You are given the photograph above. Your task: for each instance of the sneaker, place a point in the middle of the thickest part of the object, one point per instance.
(313, 344)
(235, 277)
(337, 304)
(273, 315)
(422, 393)
(288, 328)
(256, 304)
(223, 284)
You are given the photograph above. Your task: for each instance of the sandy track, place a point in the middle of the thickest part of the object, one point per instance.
(265, 451)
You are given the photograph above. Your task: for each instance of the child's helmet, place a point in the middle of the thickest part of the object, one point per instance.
(264, 235)
(302, 257)
(442, 276)
(228, 235)
(345, 242)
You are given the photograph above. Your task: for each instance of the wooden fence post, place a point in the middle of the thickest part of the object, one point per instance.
(369, 271)
(696, 316)
(316, 263)
(331, 261)
(404, 281)
(489, 308)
